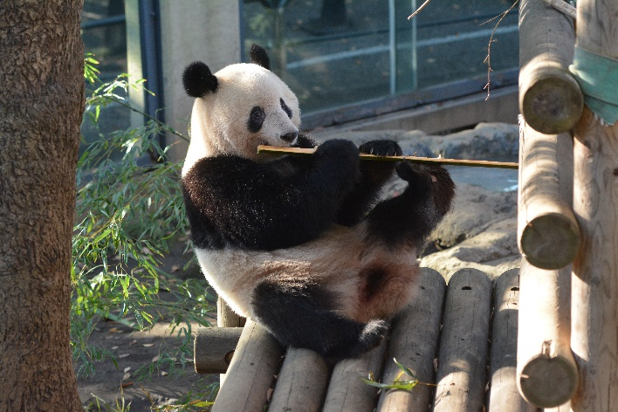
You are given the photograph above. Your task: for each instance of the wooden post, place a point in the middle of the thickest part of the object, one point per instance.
(414, 343)
(347, 391)
(503, 393)
(547, 374)
(547, 229)
(301, 384)
(213, 349)
(550, 98)
(463, 346)
(251, 373)
(595, 270)
(226, 316)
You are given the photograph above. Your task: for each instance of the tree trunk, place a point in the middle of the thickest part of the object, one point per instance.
(41, 104)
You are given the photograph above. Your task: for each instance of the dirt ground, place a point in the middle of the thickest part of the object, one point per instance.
(128, 381)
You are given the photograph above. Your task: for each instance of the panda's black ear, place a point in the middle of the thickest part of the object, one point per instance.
(259, 56)
(198, 80)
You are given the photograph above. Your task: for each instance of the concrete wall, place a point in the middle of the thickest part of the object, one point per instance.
(206, 30)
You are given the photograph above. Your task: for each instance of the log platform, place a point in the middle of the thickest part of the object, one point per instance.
(458, 340)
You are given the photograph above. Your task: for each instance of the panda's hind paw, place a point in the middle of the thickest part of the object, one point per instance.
(373, 333)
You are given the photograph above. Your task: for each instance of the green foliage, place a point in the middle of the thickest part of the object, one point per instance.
(129, 209)
(400, 383)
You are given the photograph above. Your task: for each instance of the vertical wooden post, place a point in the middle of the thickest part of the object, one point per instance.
(595, 281)
(549, 97)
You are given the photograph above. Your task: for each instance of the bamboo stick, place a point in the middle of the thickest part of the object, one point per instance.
(595, 281)
(412, 159)
(550, 98)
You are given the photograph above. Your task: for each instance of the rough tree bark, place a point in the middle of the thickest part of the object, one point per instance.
(41, 104)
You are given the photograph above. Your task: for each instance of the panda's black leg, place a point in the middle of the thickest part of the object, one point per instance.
(412, 215)
(299, 314)
(374, 175)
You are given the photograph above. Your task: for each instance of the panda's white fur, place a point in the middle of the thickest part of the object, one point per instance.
(296, 244)
(217, 115)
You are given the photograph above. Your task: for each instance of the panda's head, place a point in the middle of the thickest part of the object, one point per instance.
(238, 108)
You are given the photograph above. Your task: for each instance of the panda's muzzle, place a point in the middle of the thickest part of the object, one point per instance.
(289, 137)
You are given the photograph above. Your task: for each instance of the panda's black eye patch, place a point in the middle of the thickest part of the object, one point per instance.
(256, 119)
(285, 108)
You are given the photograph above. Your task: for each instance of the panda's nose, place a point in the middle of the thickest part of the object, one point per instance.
(289, 137)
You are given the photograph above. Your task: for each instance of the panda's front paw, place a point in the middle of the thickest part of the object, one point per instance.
(379, 172)
(381, 148)
(338, 152)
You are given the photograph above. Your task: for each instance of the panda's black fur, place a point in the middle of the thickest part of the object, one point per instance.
(298, 243)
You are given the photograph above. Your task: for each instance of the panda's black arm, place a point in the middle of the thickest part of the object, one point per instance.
(268, 206)
(367, 190)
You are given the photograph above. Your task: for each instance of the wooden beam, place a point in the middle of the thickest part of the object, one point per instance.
(414, 343)
(347, 391)
(461, 375)
(301, 384)
(251, 374)
(595, 281)
(550, 98)
(547, 373)
(213, 349)
(548, 233)
(503, 393)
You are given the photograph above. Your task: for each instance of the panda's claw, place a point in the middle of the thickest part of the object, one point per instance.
(381, 148)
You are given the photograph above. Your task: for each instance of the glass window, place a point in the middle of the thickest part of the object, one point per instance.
(334, 53)
(104, 35)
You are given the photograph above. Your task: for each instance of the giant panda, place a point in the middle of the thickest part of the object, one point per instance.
(299, 244)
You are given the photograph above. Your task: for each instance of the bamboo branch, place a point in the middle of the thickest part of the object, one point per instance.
(413, 159)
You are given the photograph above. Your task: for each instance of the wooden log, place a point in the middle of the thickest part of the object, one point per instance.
(301, 385)
(546, 370)
(346, 391)
(251, 373)
(213, 349)
(562, 408)
(414, 343)
(461, 375)
(548, 233)
(550, 98)
(503, 394)
(595, 284)
(226, 317)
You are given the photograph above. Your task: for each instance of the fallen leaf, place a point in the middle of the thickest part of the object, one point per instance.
(148, 345)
